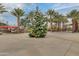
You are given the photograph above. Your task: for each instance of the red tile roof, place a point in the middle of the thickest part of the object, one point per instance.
(8, 27)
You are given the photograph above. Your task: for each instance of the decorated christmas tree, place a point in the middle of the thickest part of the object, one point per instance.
(38, 25)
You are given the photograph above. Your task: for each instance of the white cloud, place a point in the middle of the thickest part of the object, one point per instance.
(63, 6)
(13, 5)
(10, 6)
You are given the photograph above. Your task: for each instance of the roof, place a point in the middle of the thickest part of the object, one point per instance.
(4, 27)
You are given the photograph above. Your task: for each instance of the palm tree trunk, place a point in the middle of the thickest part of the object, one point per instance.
(63, 26)
(51, 26)
(74, 26)
(58, 28)
(51, 23)
(18, 18)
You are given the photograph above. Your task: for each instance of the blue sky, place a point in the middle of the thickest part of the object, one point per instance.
(60, 7)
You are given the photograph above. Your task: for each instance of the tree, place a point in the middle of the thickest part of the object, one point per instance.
(2, 9)
(58, 19)
(38, 25)
(51, 13)
(30, 15)
(17, 12)
(23, 22)
(3, 24)
(74, 14)
(63, 21)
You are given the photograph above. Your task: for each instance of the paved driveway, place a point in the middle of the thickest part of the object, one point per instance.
(54, 44)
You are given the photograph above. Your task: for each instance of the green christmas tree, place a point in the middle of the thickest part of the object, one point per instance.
(38, 25)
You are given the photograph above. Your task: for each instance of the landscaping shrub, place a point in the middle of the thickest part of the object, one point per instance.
(69, 29)
(38, 26)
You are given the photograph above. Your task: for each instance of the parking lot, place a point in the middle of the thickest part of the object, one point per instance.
(54, 44)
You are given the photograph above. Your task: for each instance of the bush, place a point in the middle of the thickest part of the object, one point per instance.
(55, 28)
(49, 28)
(69, 29)
(38, 27)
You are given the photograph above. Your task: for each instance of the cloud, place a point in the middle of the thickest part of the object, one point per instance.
(10, 6)
(27, 7)
(64, 6)
(13, 5)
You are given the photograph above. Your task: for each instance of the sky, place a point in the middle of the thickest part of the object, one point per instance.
(63, 8)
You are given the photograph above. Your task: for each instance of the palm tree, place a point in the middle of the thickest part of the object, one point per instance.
(74, 14)
(3, 24)
(23, 22)
(2, 9)
(51, 13)
(18, 13)
(63, 21)
(58, 19)
(30, 16)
